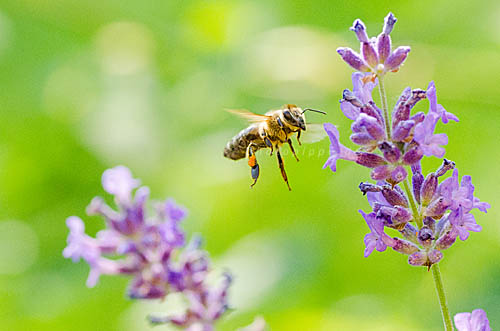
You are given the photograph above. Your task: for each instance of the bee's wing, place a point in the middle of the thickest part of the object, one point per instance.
(314, 133)
(249, 116)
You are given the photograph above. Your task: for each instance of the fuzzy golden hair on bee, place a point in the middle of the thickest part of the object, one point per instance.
(269, 131)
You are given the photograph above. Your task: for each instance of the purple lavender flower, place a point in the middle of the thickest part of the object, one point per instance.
(150, 250)
(461, 201)
(428, 215)
(429, 142)
(376, 239)
(438, 108)
(377, 56)
(477, 321)
(361, 95)
(337, 150)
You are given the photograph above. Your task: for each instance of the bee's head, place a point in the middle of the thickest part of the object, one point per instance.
(294, 116)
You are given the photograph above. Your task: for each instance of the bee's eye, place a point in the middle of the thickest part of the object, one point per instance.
(287, 115)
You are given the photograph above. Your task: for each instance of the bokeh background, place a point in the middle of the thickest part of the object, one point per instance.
(87, 85)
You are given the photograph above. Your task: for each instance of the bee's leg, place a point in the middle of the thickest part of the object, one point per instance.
(282, 168)
(269, 144)
(267, 141)
(252, 162)
(293, 151)
(298, 137)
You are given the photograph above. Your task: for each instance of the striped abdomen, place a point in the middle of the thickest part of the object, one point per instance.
(236, 148)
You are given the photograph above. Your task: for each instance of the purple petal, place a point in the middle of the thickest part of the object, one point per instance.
(361, 89)
(119, 182)
(437, 108)
(479, 321)
(174, 211)
(349, 110)
(337, 150)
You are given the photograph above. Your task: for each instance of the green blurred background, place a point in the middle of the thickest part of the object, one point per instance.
(87, 85)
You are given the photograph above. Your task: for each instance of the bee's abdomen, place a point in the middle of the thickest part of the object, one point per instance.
(236, 148)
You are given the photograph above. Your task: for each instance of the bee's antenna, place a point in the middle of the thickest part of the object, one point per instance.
(314, 110)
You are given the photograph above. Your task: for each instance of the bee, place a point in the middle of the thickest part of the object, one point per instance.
(271, 130)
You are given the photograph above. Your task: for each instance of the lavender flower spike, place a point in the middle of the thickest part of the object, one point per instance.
(337, 150)
(150, 249)
(477, 321)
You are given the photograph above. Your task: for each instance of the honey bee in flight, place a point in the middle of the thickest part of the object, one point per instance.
(272, 130)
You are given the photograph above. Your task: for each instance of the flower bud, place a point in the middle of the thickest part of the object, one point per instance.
(398, 175)
(369, 54)
(353, 59)
(404, 246)
(437, 207)
(391, 152)
(362, 138)
(447, 165)
(372, 110)
(425, 236)
(396, 59)
(369, 160)
(416, 96)
(428, 190)
(401, 112)
(446, 240)
(394, 197)
(402, 215)
(434, 256)
(402, 130)
(369, 187)
(413, 155)
(442, 226)
(371, 126)
(430, 223)
(381, 172)
(359, 28)
(417, 259)
(410, 233)
(383, 46)
(417, 181)
(348, 96)
(389, 22)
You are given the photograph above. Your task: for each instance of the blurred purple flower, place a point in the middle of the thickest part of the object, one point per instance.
(150, 249)
(477, 321)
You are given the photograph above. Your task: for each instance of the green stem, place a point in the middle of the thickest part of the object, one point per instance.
(448, 325)
(385, 109)
(413, 205)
